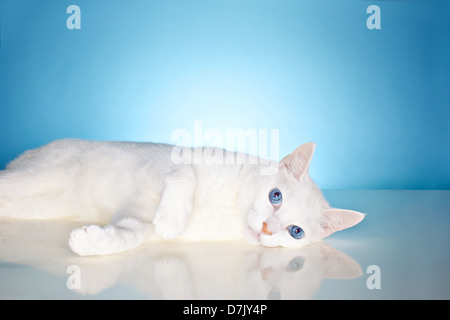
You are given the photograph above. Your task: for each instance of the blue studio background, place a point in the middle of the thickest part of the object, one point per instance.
(376, 101)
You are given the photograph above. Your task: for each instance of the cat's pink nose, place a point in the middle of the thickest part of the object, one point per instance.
(265, 230)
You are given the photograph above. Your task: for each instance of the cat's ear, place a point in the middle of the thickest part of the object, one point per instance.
(339, 219)
(297, 163)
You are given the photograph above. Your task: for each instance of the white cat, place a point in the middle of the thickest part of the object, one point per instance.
(143, 191)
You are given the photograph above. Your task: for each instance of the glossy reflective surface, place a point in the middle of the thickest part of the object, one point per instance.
(400, 251)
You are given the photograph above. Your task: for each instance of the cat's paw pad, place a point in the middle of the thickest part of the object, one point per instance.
(90, 240)
(169, 227)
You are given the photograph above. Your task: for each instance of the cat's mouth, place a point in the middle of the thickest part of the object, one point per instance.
(256, 235)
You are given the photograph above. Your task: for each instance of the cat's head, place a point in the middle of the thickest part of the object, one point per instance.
(289, 209)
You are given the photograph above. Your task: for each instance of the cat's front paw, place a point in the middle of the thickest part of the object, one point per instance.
(169, 226)
(91, 240)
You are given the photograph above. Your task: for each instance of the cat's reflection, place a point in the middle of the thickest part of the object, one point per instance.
(179, 270)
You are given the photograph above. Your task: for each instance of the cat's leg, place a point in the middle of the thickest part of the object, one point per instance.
(32, 207)
(176, 202)
(29, 197)
(28, 193)
(124, 233)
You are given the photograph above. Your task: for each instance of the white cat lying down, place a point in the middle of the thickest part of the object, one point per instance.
(143, 191)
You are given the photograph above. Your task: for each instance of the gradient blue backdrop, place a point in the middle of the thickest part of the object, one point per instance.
(375, 101)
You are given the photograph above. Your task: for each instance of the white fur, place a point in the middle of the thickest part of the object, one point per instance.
(140, 192)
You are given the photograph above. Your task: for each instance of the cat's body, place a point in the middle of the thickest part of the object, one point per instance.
(141, 191)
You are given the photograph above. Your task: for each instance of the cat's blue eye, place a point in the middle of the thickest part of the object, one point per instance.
(296, 232)
(275, 196)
